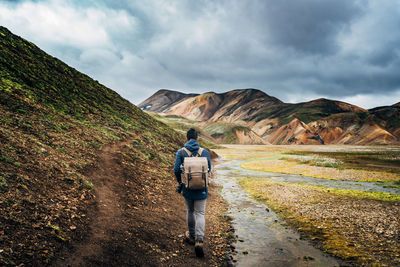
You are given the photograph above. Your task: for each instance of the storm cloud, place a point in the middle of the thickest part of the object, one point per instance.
(293, 50)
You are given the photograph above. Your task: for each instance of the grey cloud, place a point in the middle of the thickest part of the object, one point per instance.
(308, 26)
(294, 50)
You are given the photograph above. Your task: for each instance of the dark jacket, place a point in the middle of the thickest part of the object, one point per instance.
(193, 147)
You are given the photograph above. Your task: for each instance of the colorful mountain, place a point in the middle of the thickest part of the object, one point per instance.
(266, 119)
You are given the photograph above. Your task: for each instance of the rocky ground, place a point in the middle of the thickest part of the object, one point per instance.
(360, 231)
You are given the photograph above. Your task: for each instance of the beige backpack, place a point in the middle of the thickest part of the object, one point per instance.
(195, 170)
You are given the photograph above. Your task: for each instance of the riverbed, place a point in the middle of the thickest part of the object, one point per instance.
(263, 239)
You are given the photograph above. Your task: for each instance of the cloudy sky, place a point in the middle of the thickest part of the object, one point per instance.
(295, 50)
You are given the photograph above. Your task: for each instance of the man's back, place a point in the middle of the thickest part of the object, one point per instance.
(195, 198)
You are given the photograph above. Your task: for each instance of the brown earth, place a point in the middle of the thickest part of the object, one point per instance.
(139, 219)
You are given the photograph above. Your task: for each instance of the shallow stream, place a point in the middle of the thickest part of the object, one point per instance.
(234, 165)
(263, 238)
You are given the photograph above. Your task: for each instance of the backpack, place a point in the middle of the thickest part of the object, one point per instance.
(195, 170)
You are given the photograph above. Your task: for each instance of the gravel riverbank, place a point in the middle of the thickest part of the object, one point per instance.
(361, 231)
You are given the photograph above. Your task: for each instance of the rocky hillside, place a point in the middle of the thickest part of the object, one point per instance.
(388, 117)
(54, 123)
(269, 120)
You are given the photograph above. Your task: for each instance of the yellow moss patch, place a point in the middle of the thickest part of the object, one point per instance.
(281, 166)
(383, 196)
(359, 194)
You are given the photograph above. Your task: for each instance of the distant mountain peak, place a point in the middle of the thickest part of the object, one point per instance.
(244, 90)
(169, 91)
(248, 91)
(162, 99)
(335, 106)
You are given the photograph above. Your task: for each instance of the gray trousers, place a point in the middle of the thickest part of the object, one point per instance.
(196, 217)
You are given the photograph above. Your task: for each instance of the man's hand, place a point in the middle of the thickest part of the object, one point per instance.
(179, 188)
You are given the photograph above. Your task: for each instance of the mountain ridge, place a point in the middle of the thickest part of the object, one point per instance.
(265, 115)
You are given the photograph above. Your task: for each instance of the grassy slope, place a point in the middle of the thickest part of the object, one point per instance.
(54, 121)
(226, 132)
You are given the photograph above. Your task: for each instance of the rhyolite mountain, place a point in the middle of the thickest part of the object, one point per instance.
(255, 117)
(163, 98)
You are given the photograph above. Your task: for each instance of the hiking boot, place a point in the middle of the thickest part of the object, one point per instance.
(188, 238)
(198, 248)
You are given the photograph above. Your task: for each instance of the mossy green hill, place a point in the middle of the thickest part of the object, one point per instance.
(54, 120)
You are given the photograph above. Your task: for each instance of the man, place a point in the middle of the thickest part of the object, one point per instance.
(195, 199)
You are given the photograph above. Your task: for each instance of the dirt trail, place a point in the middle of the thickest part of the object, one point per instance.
(139, 219)
(106, 177)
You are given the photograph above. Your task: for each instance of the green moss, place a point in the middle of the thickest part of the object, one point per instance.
(3, 183)
(383, 196)
(6, 158)
(54, 227)
(360, 194)
(60, 237)
(86, 184)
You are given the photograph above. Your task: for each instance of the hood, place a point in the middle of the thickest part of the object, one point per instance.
(192, 145)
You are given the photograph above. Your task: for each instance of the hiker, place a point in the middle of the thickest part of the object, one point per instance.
(194, 187)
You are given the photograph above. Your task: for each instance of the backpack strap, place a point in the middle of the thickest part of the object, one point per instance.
(200, 152)
(187, 151)
(181, 155)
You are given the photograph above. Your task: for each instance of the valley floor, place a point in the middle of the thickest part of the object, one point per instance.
(343, 212)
